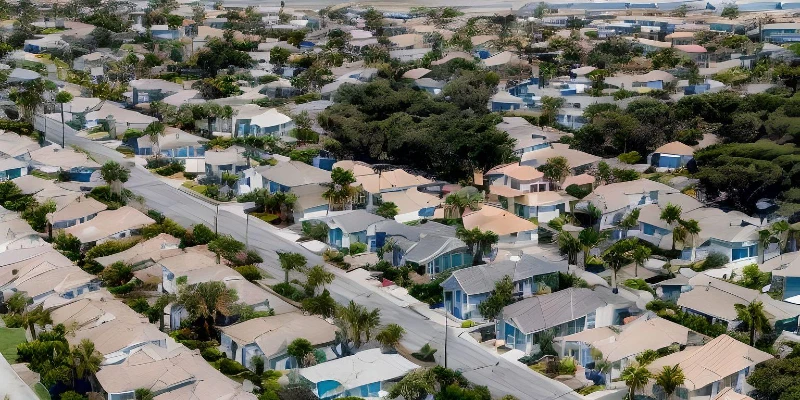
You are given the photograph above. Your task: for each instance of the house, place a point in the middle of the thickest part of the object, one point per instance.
(164, 32)
(175, 266)
(79, 211)
(16, 233)
(146, 252)
(306, 182)
(92, 60)
(714, 299)
(655, 230)
(231, 160)
(787, 273)
(694, 52)
(269, 337)
(541, 206)
(364, 374)
(429, 244)
(412, 204)
(268, 122)
(524, 178)
(14, 260)
(467, 288)
(115, 328)
(53, 158)
(620, 345)
(780, 32)
(564, 312)
(733, 233)
(16, 146)
(187, 96)
(529, 137)
(42, 190)
(373, 184)
(116, 119)
(617, 199)
(680, 38)
(578, 161)
(504, 101)
(11, 168)
(653, 80)
(429, 85)
(150, 90)
(110, 225)
(509, 227)
(708, 369)
(349, 227)
(42, 272)
(176, 145)
(671, 155)
(21, 75)
(171, 374)
(44, 44)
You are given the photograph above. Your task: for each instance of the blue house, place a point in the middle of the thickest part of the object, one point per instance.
(164, 32)
(175, 144)
(781, 33)
(430, 244)
(671, 155)
(350, 227)
(11, 168)
(306, 182)
(787, 269)
(564, 313)
(467, 288)
(504, 101)
(364, 374)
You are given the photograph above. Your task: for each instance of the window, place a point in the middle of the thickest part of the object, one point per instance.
(648, 229)
(744, 252)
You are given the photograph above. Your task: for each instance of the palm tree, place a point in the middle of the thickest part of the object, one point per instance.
(87, 360)
(458, 202)
(370, 321)
(479, 242)
(764, 239)
(16, 303)
(630, 221)
(389, 337)
(594, 214)
(358, 322)
(154, 131)
(340, 191)
(569, 245)
(291, 262)
(318, 276)
(61, 98)
(37, 316)
(589, 239)
(754, 317)
(671, 214)
(679, 235)
(640, 255)
(692, 229)
(204, 300)
(115, 175)
(618, 256)
(670, 378)
(555, 170)
(781, 231)
(30, 97)
(635, 377)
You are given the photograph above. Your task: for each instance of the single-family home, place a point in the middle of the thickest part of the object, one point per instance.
(150, 90)
(165, 32)
(22, 75)
(524, 178)
(467, 288)
(186, 96)
(232, 160)
(653, 80)
(680, 38)
(564, 313)
(364, 374)
(781, 32)
(11, 168)
(269, 122)
(268, 338)
(504, 101)
(54, 158)
(621, 344)
(349, 227)
(412, 204)
(617, 199)
(116, 119)
(174, 267)
(733, 234)
(578, 161)
(16, 233)
(306, 182)
(77, 212)
(655, 230)
(708, 369)
(694, 52)
(786, 273)
(529, 137)
(174, 144)
(374, 182)
(92, 60)
(428, 244)
(671, 155)
(509, 227)
(14, 260)
(16, 146)
(145, 253)
(715, 299)
(42, 190)
(110, 225)
(44, 273)
(45, 43)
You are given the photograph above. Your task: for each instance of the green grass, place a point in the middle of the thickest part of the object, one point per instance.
(41, 391)
(9, 339)
(194, 186)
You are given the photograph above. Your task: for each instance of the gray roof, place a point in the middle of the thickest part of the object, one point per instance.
(537, 313)
(430, 247)
(353, 221)
(414, 232)
(482, 278)
(294, 173)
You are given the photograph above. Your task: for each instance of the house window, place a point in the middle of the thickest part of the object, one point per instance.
(648, 229)
(744, 252)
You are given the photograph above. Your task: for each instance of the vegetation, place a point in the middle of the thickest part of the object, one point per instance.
(501, 296)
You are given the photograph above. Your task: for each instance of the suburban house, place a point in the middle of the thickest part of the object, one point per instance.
(431, 244)
(617, 199)
(694, 52)
(680, 38)
(787, 271)
(364, 374)
(564, 312)
(504, 101)
(44, 44)
(671, 155)
(724, 362)
(77, 212)
(653, 80)
(529, 137)
(16, 233)
(412, 204)
(578, 161)
(523, 178)
(655, 230)
(116, 119)
(231, 160)
(53, 158)
(467, 288)
(715, 299)
(146, 252)
(16, 146)
(620, 345)
(150, 90)
(175, 144)
(731, 233)
(349, 227)
(110, 225)
(11, 168)
(164, 32)
(306, 182)
(374, 182)
(175, 267)
(509, 227)
(269, 337)
(49, 274)
(253, 120)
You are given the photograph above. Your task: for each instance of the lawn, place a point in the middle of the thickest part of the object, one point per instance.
(194, 186)
(9, 339)
(41, 391)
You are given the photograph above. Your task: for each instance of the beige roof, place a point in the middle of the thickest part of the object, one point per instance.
(614, 196)
(155, 249)
(499, 221)
(147, 367)
(732, 226)
(481, 39)
(411, 200)
(13, 145)
(582, 179)
(232, 155)
(715, 297)
(187, 261)
(452, 56)
(43, 190)
(81, 207)
(359, 168)
(416, 73)
(730, 394)
(711, 362)
(65, 158)
(642, 334)
(397, 178)
(540, 198)
(273, 334)
(406, 40)
(208, 384)
(786, 265)
(45, 276)
(502, 58)
(679, 35)
(505, 191)
(676, 148)
(518, 172)
(576, 158)
(24, 260)
(121, 115)
(294, 173)
(108, 223)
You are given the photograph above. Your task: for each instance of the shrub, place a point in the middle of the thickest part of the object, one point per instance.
(578, 192)
(203, 234)
(467, 324)
(425, 353)
(190, 175)
(123, 289)
(567, 366)
(171, 169)
(631, 157)
(230, 367)
(357, 248)
(315, 231)
(211, 354)
(110, 247)
(333, 256)
(249, 272)
(639, 284)
(714, 260)
(289, 291)
(139, 305)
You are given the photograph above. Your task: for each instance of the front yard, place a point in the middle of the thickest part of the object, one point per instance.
(9, 339)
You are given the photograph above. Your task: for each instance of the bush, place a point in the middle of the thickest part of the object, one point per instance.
(289, 291)
(639, 284)
(567, 366)
(357, 248)
(425, 353)
(230, 367)
(190, 175)
(139, 305)
(203, 234)
(630, 157)
(171, 169)
(249, 272)
(110, 247)
(212, 354)
(714, 260)
(124, 289)
(467, 324)
(578, 192)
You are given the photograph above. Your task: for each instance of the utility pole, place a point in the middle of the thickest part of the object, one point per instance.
(247, 230)
(216, 229)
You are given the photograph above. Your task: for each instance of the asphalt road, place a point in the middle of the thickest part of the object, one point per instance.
(479, 366)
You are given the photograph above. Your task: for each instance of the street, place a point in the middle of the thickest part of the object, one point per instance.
(479, 366)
